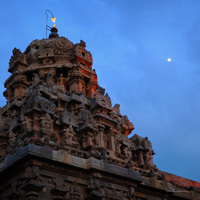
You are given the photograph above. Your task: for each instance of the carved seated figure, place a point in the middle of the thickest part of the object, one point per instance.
(47, 125)
(127, 152)
(69, 137)
(35, 80)
(61, 82)
(12, 138)
(85, 117)
(34, 88)
(49, 80)
(90, 139)
(118, 143)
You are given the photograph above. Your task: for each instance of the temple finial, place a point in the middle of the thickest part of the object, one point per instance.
(54, 32)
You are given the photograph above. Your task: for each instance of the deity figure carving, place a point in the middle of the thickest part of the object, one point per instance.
(33, 89)
(105, 139)
(35, 80)
(118, 145)
(68, 136)
(75, 191)
(61, 83)
(12, 138)
(85, 117)
(49, 80)
(127, 152)
(46, 124)
(68, 117)
(27, 124)
(90, 138)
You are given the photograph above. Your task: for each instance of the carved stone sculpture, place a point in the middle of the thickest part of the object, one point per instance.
(60, 137)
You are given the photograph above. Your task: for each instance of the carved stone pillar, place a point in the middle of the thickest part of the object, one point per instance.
(90, 138)
(36, 125)
(75, 84)
(141, 159)
(101, 134)
(84, 141)
(75, 81)
(93, 87)
(113, 134)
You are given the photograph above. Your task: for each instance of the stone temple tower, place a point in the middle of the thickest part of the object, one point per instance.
(62, 139)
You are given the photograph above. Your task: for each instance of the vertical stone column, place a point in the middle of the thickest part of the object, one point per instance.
(101, 133)
(80, 84)
(112, 141)
(84, 141)
(10, 93)
(93, 87)
(22, 90)
(141, 159)
(75, 84)
(36, 125)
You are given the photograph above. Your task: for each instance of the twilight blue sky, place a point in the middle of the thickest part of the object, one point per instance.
(130, 41)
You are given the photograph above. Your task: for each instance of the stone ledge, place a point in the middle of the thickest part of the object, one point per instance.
(63, 157)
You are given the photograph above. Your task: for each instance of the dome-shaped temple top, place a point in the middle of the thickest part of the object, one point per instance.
(59, 56)
(57, 50)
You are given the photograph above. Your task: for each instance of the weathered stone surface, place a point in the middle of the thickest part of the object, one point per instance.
(60, 137)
